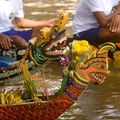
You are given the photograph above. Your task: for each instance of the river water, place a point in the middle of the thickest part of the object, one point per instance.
(99, 102)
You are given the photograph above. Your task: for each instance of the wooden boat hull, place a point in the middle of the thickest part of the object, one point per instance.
(34, 110)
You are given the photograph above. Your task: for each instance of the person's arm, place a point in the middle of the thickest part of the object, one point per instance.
(114, 24)
(23, 22)
(112, 20)
(96, 7)
(102, 19)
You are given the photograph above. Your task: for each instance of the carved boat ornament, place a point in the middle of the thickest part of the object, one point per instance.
(47, 46)
(81, 64)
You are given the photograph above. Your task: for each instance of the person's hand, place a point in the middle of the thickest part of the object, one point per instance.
(114, 24)
(5, 41)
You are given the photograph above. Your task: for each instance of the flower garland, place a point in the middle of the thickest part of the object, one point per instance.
(73, 54)
(78, 48)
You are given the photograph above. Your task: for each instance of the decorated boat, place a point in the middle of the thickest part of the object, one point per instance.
(81, 64)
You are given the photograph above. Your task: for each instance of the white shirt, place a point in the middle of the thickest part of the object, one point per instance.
(84, 18)
(9, 9)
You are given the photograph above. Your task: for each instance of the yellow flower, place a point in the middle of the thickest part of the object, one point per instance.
(79, 47)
